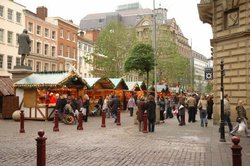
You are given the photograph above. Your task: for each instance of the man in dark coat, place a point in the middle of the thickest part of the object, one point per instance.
(114, 104)
(24, 45)
(151, 110)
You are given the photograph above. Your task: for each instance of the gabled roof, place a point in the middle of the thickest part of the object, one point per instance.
(119, 83)
(6, 86)
(99, 83)
(133, 86)
(51, 79)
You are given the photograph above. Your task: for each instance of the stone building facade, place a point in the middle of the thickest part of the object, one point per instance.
(230, 23)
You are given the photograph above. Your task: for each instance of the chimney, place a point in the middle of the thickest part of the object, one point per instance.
(42, 12)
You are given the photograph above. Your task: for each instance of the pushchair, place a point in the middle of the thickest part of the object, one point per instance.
(69, 117)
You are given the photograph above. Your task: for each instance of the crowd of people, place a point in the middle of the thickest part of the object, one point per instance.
(169, 106)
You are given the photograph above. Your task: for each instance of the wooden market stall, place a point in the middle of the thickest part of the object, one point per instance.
(36, 91)
(120, 90)
(98, 87)
(8, 100)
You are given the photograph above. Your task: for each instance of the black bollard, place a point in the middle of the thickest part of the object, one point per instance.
(41, 148)
(236, 151)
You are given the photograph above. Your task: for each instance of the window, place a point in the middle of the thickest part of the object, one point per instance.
(38, 30)
(31, 46)
(9, 62)
(85, 47)
(61, 67)
(46, 32)
(53, 67)
(38, 48)
(10, 37)
(74, 37)
(89, 49)
(30, 27)
(53, 35)
(1, 11)
(46, 49)
(61, 33)
(80, 46)
(68, 35)
(61, 50)
(46, 67)
(53, 51)
(68, 51)
(18, 61)
(38, 66)
(10, 14)
(1, 35)
(30, 63)
(18, 17)
(17, 35)
(1, 60)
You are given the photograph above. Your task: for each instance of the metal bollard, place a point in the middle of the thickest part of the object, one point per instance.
(22, 122)
(56, 119)
(236, 151)
(41, 148)
(118, 123)
(103, 119)
(145, 122)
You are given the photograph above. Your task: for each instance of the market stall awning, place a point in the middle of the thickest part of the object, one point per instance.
(119, 83)
(133, 86)
(52, 80)
(142, 85)
(6, 86)
(160, 88)
(99, 83)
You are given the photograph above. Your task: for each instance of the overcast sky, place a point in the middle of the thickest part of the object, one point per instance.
(184, 11)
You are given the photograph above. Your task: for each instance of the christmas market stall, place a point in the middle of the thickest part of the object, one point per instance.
(39, 91)
(98, 88)
(8, 100)
(120, 90)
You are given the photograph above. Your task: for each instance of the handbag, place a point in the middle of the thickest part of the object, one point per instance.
(242, 126)
(83, 111)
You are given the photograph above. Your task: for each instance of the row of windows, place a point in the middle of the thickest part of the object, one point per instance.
(38, 66)
(45, 32)
(9, 61)
(68, 51)
(68, 35)
(8, 37)
(85, 47)
(10, 14)
(43, 49)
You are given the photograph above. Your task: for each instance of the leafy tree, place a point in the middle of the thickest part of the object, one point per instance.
(111, 50)
(141, 59)
(171, 65)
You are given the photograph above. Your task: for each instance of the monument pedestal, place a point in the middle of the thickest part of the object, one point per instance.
(20, 72)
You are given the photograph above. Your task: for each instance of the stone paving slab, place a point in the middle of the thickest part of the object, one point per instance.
(169, 145)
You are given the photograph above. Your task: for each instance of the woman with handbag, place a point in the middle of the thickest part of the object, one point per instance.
(202, 105)
(241, 119)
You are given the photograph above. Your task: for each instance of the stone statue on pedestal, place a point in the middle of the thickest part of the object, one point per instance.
(24, 45)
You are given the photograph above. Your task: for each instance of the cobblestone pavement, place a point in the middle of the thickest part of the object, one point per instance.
(170, 144)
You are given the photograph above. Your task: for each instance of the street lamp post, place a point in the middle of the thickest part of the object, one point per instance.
(222, 123)
(154, 46)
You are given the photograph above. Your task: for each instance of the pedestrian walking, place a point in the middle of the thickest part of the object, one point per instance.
(161, 104)
(114, 104)
(131, 104)
(227, 113)
(151, 110)
(86, 103)
(241, 119)
(191, 103)
(202, 106)
(140, 112)
(210, 104)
